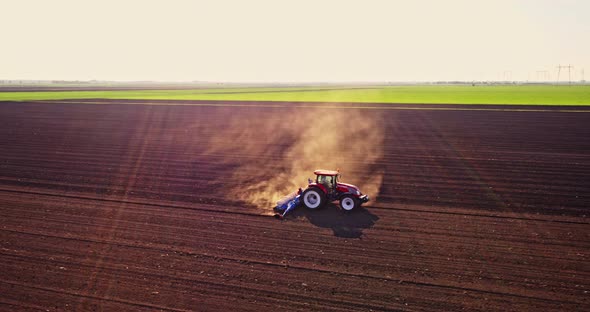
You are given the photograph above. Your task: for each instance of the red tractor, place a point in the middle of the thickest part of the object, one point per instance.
(326, 188)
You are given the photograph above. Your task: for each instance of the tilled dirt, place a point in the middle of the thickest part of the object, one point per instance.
(112, 207)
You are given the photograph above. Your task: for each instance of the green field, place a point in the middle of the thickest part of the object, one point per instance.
(529, 94)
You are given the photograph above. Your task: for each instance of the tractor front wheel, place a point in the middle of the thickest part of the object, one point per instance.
(314, 198)
(348, 202)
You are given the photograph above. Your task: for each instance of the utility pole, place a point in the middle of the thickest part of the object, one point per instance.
(569, 72)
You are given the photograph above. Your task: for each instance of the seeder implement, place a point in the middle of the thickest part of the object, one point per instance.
(287, 203)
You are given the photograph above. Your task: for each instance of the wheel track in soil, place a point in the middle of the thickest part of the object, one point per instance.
(210, 256)
(266, 244)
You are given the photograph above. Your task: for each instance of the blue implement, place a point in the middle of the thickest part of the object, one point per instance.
(288, 203)
(283, 203)
(292, 204)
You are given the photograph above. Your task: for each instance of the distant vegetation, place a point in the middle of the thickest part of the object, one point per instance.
(432, 94)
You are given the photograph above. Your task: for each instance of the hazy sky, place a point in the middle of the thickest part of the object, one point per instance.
(290, 41)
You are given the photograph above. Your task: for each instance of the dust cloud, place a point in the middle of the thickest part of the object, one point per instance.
(274, 151)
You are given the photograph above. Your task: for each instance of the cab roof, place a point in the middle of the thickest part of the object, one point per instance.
(326, 172)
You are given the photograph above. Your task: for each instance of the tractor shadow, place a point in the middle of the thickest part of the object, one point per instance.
(343, 224)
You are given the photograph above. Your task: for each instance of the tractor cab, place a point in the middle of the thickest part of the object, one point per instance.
(327, 178)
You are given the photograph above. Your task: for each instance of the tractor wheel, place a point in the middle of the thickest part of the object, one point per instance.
(314, 198)
(348, 202)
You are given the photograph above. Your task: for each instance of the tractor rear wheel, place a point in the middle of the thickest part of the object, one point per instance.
(314, 198)
(348, 202)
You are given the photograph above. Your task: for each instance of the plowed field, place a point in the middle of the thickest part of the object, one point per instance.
(124, 205)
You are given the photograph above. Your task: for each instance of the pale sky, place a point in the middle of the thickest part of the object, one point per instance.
(293, 41)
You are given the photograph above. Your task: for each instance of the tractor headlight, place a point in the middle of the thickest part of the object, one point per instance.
(357, 192)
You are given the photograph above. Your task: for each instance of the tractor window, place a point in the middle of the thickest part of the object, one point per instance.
(327, 181)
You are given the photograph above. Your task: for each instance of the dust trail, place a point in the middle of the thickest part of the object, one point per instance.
(278, 149)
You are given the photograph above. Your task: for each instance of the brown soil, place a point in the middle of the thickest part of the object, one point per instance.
(123, 207)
